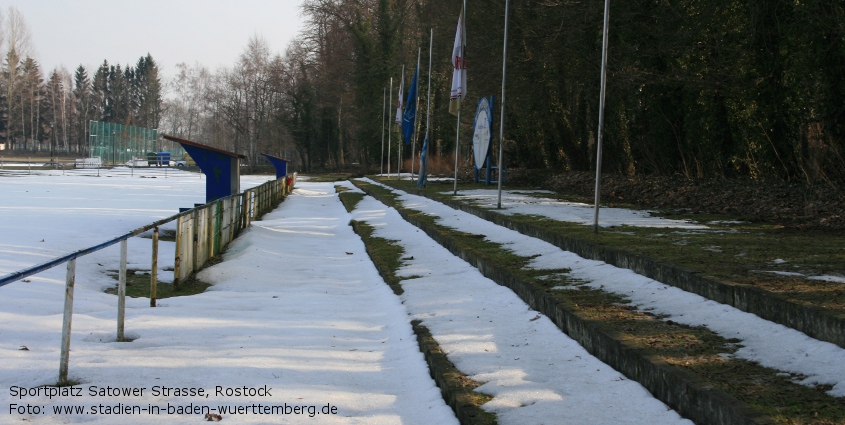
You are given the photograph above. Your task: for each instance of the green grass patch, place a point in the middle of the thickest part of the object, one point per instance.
(386, 196)
(695, 349)
(384, 253)
(349, 199)
(463, 398)
(163, 236)
(138, 285)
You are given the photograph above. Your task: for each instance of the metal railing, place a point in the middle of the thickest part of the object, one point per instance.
(208, 231)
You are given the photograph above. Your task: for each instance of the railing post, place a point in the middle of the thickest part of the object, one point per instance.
(121, 291)
(154, 269)
(70, 281)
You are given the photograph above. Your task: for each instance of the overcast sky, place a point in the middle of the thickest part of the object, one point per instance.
(210, 32)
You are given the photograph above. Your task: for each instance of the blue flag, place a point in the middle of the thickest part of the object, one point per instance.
(409, 118)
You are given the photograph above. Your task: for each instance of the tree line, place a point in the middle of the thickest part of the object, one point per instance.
(716, 88)
(54, 114)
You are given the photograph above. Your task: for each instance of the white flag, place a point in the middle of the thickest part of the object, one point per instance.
(459, 74)
(399, 112)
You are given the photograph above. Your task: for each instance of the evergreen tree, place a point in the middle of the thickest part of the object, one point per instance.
(149, 92)
(31, 96)
(118, 97)
(100, 92)
(52, 122)
(82, 106)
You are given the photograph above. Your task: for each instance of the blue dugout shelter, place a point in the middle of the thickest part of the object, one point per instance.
(280, 164)
(222, 168)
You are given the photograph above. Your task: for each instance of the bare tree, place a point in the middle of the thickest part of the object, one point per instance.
(17, 44)
(185, 110)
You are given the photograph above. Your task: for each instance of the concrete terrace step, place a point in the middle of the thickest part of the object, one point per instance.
(816, 322)
(686, 393)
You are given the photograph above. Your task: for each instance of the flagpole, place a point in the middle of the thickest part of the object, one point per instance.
(417, 108)
(383, 116)
(399, 165)
(457, 145)
(389, 130)
(601, 112)
(502, 114)
(423, 169)
(463, 89)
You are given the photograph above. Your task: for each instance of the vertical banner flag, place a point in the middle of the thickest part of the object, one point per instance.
(409, 118)
(399, 102)
(459, 75)
(482, 135)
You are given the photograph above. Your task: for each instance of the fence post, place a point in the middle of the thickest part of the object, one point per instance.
(154, 269)
(121, 291)
(70, 281)
(195, 237)
(247, 202)
(244, 215)
(178, 260)
(232, 208)
(210, 210)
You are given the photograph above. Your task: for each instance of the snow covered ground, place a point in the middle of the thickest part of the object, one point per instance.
(287, 334)
(532, 202)
(51, 213)
(298, 307)
(770, 344)
(534, 371)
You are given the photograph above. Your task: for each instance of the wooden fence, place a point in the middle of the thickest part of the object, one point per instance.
(209, 228)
